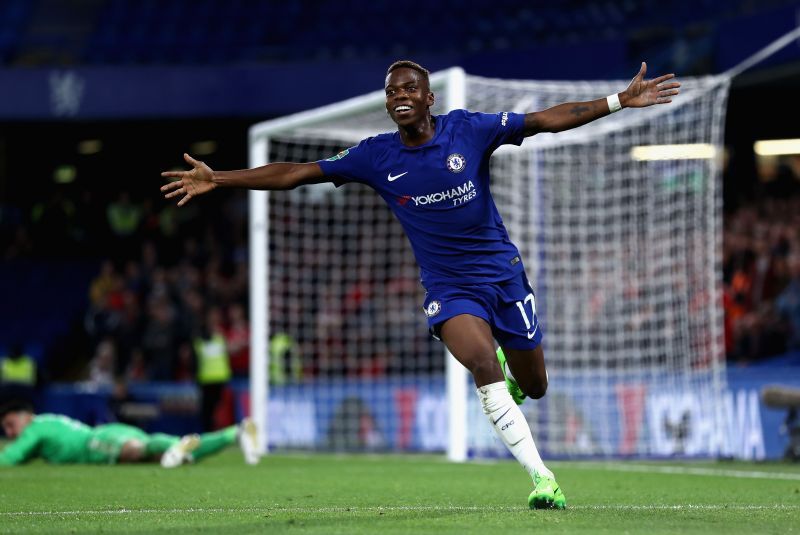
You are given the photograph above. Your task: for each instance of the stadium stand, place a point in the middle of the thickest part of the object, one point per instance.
(215, 32)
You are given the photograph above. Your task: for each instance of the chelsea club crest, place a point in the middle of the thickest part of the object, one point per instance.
(434, 307)
(456, 163)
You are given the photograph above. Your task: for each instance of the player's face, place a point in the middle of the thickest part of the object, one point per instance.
(14, 423)
(408, 96)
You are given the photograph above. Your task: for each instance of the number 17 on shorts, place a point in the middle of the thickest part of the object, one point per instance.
(516, 323)
(531, 323)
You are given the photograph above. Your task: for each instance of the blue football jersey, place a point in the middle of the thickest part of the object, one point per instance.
(439, 192)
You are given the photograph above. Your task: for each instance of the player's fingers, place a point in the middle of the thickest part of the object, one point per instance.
(670, 85)
(668, 93)
(663, 100)
(642, 71)
(175, 193)
(191, 161)
(664, 78)
(171, 185)
(185, 199)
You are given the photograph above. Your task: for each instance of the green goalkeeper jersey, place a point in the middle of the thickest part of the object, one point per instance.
(56, 439)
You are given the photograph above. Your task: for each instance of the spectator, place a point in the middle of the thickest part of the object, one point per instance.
(284, 359)
(237, 338)
(123, 216)
(124, 219)
(18, 374)
(213, 366)
(160, 340)
(101, 369)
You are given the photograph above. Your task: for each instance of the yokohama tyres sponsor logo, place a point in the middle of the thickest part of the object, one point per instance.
(459, 195)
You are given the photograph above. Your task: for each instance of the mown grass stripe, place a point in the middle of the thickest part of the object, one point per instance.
(409, 508)
(686, 470)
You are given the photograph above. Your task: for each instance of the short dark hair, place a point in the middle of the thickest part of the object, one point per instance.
(15, 405)
(408, 64)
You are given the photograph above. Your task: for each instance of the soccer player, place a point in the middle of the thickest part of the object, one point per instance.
(61, 440)
(433, 172)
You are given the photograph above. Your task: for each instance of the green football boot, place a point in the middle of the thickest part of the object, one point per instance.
(546, 494)
(513, 388)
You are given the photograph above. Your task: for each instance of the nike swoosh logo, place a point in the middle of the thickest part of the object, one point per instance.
(393, 178)
(531, 335)
(501, 417)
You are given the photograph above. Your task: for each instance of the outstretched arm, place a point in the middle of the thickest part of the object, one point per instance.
(21, 450)
(274, 176)
(640, 93)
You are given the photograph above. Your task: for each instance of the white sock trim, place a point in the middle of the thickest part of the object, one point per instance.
(492, 387)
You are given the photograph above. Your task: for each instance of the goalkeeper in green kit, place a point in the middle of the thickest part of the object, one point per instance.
(61, 440)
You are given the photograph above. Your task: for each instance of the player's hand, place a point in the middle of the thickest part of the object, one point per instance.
(641, 93)
(190, 184)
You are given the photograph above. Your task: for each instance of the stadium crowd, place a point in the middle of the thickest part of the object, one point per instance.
(761, 272)
(148, 312)
(161, 295)
(160, 284)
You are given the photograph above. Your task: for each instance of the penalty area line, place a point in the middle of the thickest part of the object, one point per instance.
(409, 508)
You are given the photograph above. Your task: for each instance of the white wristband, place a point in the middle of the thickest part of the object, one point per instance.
(613, 103)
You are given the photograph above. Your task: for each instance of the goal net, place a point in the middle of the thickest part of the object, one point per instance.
(619, 224)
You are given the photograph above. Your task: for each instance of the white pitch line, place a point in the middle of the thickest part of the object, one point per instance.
(409, 508)
(687, 470)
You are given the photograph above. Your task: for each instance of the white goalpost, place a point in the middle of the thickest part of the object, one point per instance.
(451, 82)
(619, 225)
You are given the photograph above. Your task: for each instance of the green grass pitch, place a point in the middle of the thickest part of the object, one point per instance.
(352, 494)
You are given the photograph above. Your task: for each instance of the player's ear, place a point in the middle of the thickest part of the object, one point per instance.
(431, 98)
